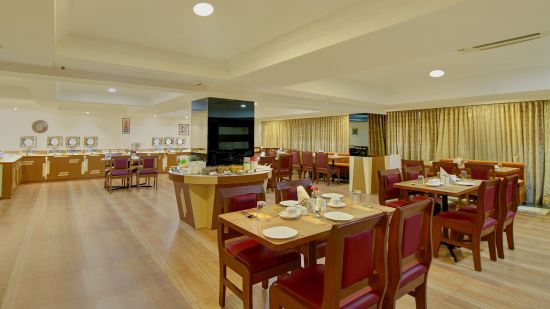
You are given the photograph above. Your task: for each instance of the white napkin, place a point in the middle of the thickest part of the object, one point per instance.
(442, 172)
(302, 193)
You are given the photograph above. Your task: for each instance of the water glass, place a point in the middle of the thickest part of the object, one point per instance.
(321, 205)
(463, 174)
(356, 196)
(420, 179)
(259, 206)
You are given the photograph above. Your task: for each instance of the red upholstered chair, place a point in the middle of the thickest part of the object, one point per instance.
(287, 190)
(508, 210)
(390, 196)
(354, 274)
(322, 167)
(148, 169)
(120, 169)
(449, 167)
(412, 172)
(409, 253)
(272, 153)
(308, 166)
(480, 171)
(254, 262)
(267, 161)
(412, 163)
(479, 224)
(297, 162)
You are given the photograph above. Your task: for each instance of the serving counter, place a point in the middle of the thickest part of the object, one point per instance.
(10, 175)
(198, 198)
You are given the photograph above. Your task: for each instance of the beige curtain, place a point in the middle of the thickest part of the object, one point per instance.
(505, 132)
(310, 134)
(377, 134)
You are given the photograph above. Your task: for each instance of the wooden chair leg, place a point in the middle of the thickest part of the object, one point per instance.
(436, 239)
(420, 296)
(247, 292)
(275, 298)
(492, 246)
(510, 235)
(476, 251)
(223, 274)
(500, 242)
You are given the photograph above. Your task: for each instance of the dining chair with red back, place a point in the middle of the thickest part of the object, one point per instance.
(409, 253)
(272, 153)
(322, 167)
(288, 190)
(297, 162)
(449, 167)
(268, 161)
(412, 163)
(412, 172)
(308, 165)
(508, 210)
(353, 276)
(390, 196)
(283, 167)
(119, 169)
(480, 171)
(148, 169)
(254, 262)
(479, 224)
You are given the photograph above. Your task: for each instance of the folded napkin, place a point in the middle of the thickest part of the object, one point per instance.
(442, 172)
(302, 193)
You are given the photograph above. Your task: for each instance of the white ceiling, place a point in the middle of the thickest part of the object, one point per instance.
(295, 58)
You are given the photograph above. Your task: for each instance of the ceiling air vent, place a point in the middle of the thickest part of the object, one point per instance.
(498, 44)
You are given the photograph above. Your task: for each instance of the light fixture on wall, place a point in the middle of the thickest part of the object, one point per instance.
(111, 90)
(437, 73)
(203, 9)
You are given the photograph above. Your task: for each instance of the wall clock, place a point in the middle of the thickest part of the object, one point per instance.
(40, 126)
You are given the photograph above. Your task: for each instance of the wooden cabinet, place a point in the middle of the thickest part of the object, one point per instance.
(10, 178)
(95, 165)
(75, 167)
(33, 169)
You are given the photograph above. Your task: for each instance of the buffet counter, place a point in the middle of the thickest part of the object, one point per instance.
(10, 175)
(198, 198)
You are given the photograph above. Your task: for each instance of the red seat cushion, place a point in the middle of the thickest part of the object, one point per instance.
(258, 257)
(412, 272)
(120, 172)
(306, 285)
(467, 218)
(397, 203)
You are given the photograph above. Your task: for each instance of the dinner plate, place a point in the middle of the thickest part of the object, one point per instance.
(338, 216)
(289, 203)
(431, 184)
(287, 215)
(280, 232)
(465, 183)
(332, 195)
(339, 205)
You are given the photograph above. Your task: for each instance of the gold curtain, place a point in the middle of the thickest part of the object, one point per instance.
(515, 132)
(310, 134)
(377, 134)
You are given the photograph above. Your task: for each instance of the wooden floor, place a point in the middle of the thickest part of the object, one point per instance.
(73, 245)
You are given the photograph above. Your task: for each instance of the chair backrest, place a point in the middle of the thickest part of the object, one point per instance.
(386, 181)
(284, 162)
(120, 162)
(296, 157)
(480, 171)
(267, 161)
(410, 241)
(488, 204)
(411, 163)
(307, 157)
(237, 199)
(287, 190)
(272, 153)
(356, 259)
(321, 159)
(149, 162)
(449, 167)
(412, 172)
(509, 194)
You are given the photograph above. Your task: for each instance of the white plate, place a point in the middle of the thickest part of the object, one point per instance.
(432, 184)
(280, 232)
(286, 215)
(338, 216)
(332, 195)
(339, 205)
(466, 183)
(289, 203)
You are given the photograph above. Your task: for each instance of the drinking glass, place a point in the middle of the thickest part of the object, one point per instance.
(356, 196)
(420, 179)
(321, 205)
(463, 174)
(259, 206)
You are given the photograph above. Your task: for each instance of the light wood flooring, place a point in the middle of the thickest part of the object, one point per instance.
(73, 245)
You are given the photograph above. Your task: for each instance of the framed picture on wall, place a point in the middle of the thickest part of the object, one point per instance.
(183, 129)
(125, 125)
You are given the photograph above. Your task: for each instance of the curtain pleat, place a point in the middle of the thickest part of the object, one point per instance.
(309, 134)
(516, 132)
(377, 134)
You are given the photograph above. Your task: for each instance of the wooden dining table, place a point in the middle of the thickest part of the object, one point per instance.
(311, 228)
(499, 172)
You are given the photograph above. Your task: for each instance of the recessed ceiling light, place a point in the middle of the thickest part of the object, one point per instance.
(243, 105)
(186, 117)
(155, 116)
(255, 103)
(15, 108)
(87, 113)
(437, 73)
(111, 90)
(203, 9)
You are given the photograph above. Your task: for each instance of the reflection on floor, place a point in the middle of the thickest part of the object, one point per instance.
(73, 245)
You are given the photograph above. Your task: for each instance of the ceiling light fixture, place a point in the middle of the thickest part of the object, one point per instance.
(87, 113)
(203, 9)
(155, 116)
(111, 90)
(437, 73)
(186, 117)
(15, 108)
(255, 103)
(243, 105)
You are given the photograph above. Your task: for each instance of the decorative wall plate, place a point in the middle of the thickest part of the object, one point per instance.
(27, 142)
(55, 141)
(90, 141)
(72, 141)
(169, 141)
(180, 141)
(156, 141)
(40, 126)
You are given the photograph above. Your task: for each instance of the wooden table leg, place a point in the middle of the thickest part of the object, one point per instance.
(311, 254)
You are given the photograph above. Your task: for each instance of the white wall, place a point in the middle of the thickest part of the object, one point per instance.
(199, 129)
(361, 139)
(108, 128)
